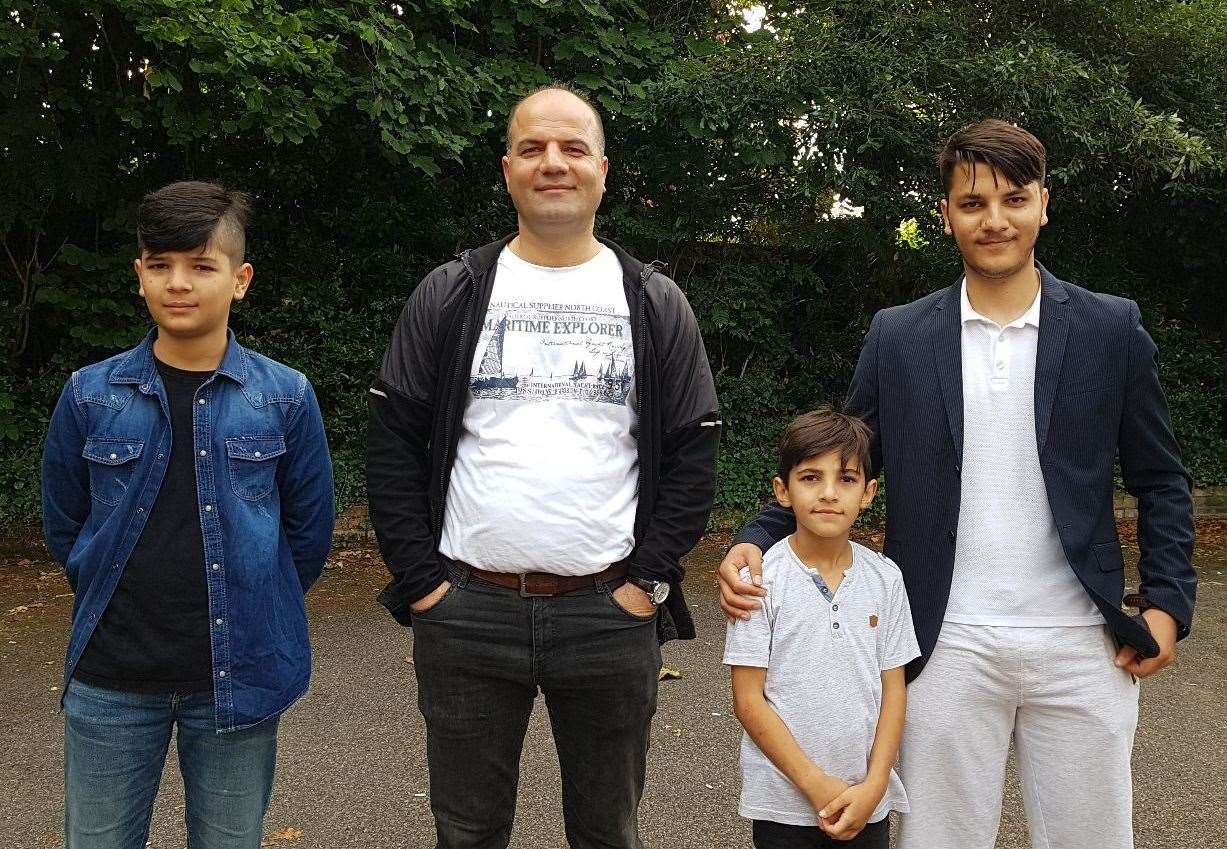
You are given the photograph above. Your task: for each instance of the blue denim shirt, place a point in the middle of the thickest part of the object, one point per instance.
(265, 498)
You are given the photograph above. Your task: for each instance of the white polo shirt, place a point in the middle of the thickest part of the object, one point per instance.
(1009, 567)
(824, 662)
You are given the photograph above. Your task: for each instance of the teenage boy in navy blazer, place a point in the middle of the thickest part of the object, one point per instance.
(999, 406)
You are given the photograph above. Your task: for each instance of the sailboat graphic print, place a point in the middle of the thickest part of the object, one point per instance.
(490, 373)
(554, 352)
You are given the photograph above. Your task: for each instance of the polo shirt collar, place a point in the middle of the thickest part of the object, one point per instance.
(967, 312)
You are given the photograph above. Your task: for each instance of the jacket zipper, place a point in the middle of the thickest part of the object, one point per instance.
(437, 518)
(648, 270)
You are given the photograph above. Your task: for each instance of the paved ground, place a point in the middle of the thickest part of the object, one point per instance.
(351, 770)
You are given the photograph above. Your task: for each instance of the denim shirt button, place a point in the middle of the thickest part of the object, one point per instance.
(218, 621)
(208, 508)
(204, 453)
(221, 674)
(114, 456)
(216, 566)
(201, 402)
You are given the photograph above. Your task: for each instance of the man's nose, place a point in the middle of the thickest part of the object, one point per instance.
(553, 160)
(994, 218)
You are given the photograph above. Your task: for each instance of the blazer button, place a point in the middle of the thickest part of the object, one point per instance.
(951, 536)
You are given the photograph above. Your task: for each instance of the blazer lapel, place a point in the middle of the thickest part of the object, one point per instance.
(946, 336)
(1050, 353)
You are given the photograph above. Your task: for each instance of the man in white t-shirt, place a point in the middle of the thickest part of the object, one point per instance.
(542, 452)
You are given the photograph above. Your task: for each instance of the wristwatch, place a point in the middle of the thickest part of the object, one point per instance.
(658, 590)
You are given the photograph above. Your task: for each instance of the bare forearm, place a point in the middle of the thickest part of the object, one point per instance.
(890, 727)
(775, 741)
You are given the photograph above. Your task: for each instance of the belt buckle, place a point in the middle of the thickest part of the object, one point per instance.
(524, 593)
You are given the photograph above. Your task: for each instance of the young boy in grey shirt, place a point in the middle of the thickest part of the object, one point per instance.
(818, 670)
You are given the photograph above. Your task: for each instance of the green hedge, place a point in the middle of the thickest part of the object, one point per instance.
(784, 174)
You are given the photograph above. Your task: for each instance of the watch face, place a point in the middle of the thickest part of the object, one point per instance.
(660, 593)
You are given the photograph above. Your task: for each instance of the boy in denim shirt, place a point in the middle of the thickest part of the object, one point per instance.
(187, 490)
(818, 669)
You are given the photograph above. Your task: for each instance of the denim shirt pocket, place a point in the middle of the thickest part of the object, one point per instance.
(251, 463)
(111, 463)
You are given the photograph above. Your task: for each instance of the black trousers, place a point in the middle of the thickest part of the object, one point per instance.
(481, 655)
(775, 835)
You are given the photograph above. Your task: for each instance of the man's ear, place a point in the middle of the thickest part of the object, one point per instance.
(944, 206)
(1043, 207)
(781, 491)
(136, 268)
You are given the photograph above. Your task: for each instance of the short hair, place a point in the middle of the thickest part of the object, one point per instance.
(820, 432)
(1009, 150)
(191, 214)
(569, 89)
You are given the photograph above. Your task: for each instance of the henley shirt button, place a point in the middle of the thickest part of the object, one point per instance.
(834, 607)
(835, 625)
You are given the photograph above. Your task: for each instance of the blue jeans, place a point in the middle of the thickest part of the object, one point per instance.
(115, 746)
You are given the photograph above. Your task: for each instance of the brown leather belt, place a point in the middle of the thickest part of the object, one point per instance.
(543, 584)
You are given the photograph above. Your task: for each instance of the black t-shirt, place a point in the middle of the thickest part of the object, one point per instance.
(154, 634)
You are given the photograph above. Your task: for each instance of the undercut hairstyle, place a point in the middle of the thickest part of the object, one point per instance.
(191, 214)
(820, 432)
(1010, 151)
(569, 89)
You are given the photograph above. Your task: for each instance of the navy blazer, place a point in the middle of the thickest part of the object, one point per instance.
(1097, 397)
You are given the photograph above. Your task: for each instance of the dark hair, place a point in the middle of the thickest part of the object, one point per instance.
(569, 89)
(1010, 151)
(821, 432)
(191, 214)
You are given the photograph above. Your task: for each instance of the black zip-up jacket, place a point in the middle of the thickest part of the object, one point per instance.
(418, 401)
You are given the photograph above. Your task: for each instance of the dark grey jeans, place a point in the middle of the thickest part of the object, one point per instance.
(481, 655)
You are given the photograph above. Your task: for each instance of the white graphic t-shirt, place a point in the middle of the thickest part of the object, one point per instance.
(546, 473)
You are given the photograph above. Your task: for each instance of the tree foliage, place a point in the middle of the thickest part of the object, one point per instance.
(785, 173)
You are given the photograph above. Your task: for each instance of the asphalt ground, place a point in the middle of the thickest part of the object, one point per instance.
(351, 766)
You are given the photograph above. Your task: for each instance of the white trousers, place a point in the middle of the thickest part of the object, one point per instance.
(1072, 715)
